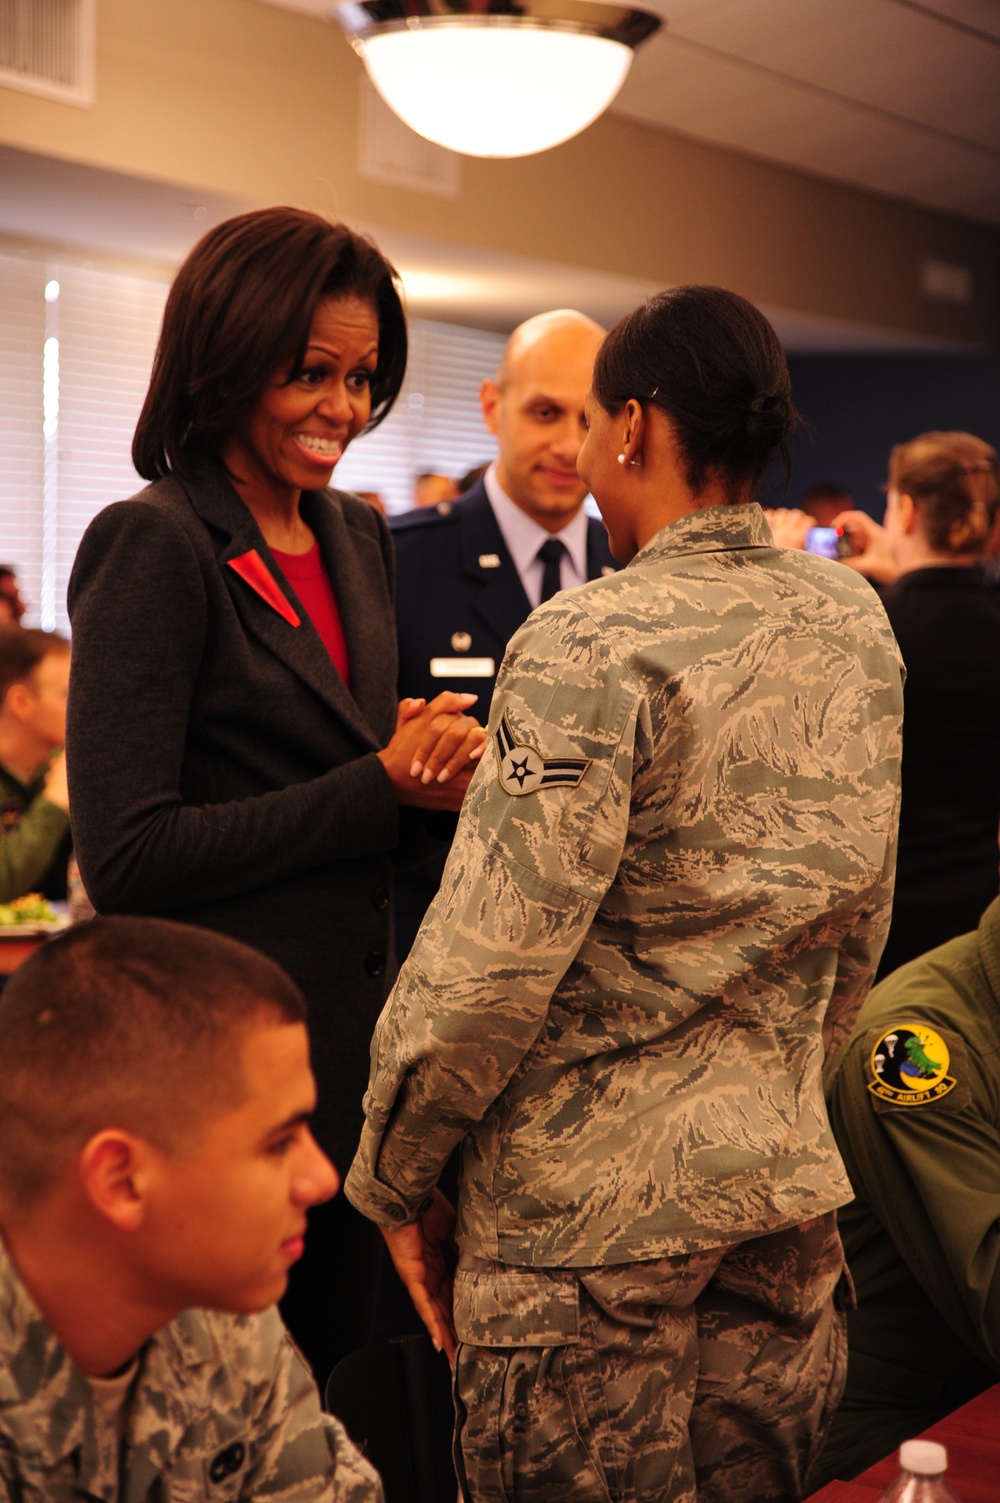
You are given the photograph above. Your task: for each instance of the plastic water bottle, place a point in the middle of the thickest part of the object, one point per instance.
(922, 1478)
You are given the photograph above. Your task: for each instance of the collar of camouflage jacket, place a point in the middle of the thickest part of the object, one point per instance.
(714, 529)
(48, 1406)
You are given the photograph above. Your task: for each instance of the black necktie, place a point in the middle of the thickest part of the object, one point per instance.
(551, 553)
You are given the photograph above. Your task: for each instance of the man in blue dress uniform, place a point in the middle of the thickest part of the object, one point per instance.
(470, 572)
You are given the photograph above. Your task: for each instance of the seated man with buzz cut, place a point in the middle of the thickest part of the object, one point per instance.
(156, 1167)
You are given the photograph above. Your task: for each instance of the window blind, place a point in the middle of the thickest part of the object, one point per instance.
(22, 339)
(75, 363)
(108, 324)
(436, 423)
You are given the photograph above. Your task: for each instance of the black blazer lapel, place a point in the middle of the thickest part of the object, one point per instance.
(298, 647)
(498, 599)
(358, 572)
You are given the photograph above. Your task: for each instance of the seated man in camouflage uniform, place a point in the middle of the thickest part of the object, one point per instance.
(666, 899)
(155, 1171)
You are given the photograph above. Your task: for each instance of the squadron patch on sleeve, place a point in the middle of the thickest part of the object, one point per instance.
(909, 1066)
(521, 769)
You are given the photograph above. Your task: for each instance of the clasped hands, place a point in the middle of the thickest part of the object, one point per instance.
(434, 751)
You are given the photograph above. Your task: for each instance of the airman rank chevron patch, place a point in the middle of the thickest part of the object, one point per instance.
(521, 769)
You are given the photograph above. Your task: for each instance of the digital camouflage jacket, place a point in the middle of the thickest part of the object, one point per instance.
(223, 1409)
(666, 900)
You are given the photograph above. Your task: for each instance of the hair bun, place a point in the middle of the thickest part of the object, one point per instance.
(952, 478)
(716, 367)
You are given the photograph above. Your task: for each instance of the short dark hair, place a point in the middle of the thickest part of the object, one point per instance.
(22, 648)
(712, 362)
(241, 306)
(125, 1022)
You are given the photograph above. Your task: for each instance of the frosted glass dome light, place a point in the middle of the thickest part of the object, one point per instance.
(497, 85)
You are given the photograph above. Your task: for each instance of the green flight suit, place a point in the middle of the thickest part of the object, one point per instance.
(918, 1124)
(34, 833)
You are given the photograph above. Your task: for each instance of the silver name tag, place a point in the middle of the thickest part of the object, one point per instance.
(462, 667)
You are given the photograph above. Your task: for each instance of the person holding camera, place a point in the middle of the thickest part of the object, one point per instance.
(941, 504)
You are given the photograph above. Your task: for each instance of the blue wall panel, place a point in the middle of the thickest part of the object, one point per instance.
(855, 408)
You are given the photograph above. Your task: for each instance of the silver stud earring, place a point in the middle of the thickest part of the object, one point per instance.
(621, 459)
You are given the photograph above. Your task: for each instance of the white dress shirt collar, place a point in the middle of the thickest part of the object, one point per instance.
(523, 537)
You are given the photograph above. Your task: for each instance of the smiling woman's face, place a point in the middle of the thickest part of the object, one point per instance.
(303, 421)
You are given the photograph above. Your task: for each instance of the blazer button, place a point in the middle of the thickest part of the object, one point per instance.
(380, 898)
(375, 962)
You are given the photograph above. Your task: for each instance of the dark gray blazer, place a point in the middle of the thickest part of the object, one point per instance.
(221, 772)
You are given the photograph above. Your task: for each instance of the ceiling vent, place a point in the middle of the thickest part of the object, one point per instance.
(946, 282)
(390, 152)
(47, 48)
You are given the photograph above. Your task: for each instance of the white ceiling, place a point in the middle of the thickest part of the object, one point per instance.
(899, 96)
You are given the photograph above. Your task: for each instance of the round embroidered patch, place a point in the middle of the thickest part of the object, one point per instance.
(909, 1066)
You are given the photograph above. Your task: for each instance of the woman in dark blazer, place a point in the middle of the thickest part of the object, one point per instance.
(237, 758)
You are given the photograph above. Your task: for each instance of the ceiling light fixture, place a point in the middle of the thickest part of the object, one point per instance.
(517, 79)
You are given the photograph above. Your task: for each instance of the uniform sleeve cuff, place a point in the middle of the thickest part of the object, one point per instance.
(378, 1202)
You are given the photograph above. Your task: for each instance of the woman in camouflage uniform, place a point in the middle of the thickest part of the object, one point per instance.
(665, 903)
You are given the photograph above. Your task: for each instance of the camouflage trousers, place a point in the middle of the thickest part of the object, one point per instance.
(708, 1377)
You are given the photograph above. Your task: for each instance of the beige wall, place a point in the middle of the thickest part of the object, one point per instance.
(240, 98)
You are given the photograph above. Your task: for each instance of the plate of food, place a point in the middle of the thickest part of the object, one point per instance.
(32, 914)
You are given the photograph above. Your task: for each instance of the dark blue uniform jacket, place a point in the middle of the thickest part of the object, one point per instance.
(459, 600)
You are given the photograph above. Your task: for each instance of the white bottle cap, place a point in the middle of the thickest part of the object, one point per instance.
(925, 1457)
